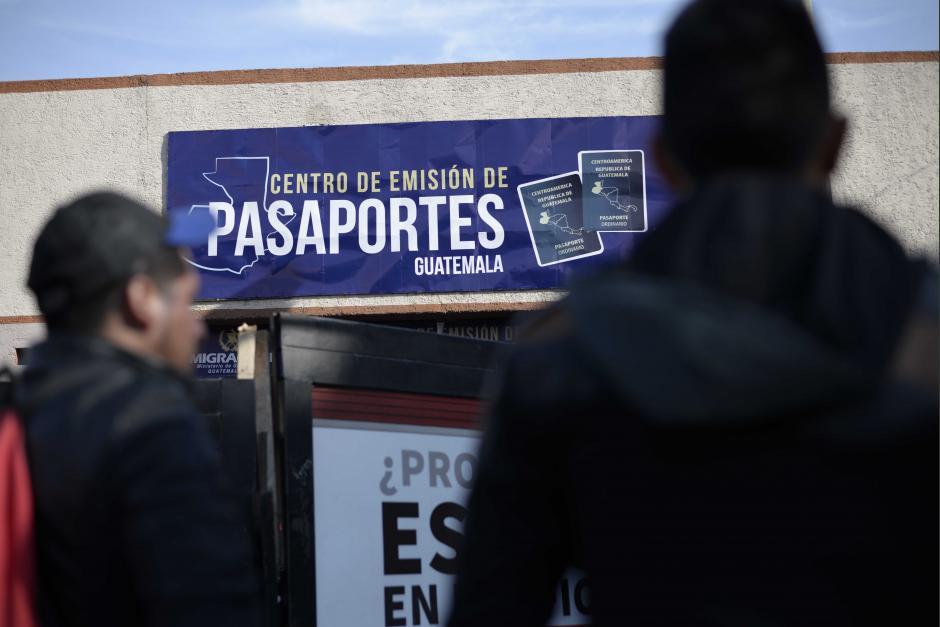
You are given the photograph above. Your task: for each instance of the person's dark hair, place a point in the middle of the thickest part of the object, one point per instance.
(86, 254)
(745, 87)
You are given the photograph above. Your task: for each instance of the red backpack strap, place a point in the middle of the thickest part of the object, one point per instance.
(17, 548)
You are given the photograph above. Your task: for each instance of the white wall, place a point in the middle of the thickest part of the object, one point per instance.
(890, 162)
(20, 335)
(57, 144)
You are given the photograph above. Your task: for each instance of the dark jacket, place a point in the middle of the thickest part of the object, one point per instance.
(721, 432)
(135, 522)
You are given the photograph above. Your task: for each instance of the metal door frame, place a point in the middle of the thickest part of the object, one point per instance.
(307, 352)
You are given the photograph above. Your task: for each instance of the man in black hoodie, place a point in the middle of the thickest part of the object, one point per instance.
(135, 522)
(737, 427)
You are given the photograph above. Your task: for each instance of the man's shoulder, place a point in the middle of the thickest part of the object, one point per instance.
(119, 393)
(546, 370)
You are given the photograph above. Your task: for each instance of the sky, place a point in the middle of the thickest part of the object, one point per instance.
(42, 39)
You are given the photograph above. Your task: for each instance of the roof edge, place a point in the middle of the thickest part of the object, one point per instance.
(442, 70)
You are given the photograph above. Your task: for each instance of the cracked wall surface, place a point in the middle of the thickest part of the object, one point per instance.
(890, 161)
(56, 144)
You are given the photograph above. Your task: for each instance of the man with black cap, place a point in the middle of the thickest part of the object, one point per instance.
(134, 522)
(738, 426)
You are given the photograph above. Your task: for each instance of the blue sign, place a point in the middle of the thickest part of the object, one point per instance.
(217, 356)
(417, 207)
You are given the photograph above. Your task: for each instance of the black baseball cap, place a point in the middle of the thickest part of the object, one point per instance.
(101, 240)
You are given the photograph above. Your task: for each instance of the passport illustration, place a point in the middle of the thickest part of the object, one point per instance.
(552, 209)
(614, 190)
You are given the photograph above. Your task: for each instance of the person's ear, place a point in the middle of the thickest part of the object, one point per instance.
(831, 147)
(143, 302)
(666, 163)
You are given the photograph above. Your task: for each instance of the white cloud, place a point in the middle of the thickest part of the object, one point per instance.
(376, 16)
(102, 31)
(479, 29)
(849, 21)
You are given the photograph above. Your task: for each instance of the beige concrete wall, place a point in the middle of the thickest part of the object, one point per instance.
(18, 335)
(56, 144)
(890, 161)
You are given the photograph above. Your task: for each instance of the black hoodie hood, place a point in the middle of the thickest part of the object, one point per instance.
(756, 297)
(679, 352)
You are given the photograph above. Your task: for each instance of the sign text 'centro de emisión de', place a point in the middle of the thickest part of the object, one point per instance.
(415, 207)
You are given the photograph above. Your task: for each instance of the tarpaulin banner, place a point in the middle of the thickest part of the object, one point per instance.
(415, 207)
(390, 507)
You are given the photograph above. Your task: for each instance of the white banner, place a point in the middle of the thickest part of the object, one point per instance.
(388, 512)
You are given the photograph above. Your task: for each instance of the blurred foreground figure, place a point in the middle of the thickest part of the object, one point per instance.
(739, 426)
(134, 522)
